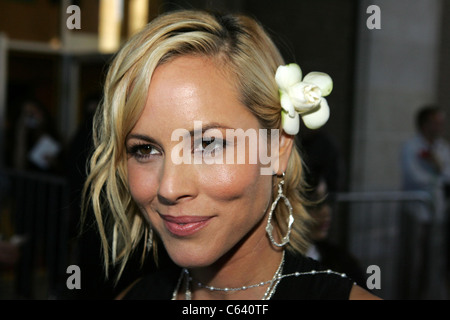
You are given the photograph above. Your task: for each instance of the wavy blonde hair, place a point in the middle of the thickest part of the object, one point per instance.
(236, 42)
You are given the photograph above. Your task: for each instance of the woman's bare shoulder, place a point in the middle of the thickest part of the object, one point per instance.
(358, 293)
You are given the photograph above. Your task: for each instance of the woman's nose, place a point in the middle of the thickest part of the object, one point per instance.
(177, 183)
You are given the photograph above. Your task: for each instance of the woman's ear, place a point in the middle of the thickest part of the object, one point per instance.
(285, 146)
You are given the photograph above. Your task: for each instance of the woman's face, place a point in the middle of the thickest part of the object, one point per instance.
(200, 210)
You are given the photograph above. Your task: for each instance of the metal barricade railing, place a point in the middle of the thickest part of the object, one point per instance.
(379, 229)
(35, 207)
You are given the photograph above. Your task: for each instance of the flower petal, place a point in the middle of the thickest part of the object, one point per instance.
(287, 76)
(290, 125)
(305, 96)
(318, 118)
(322, 80)
(286, 103)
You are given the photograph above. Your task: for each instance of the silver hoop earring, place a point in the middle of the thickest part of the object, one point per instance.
(269, 227)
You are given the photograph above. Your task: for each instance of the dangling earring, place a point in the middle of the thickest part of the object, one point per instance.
(149, 240)
(269, 227)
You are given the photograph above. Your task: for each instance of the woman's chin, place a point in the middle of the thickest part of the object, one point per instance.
(195, 258)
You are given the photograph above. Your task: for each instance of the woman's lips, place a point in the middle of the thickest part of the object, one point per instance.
(184, 226)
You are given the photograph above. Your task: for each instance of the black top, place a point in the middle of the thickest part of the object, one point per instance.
(319, 286)
(337, 259)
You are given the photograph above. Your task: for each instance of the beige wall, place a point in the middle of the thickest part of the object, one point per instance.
(397, 72)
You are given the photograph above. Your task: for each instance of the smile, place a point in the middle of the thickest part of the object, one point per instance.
(185, 225)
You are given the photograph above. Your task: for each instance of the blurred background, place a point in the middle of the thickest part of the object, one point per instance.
(387, 63)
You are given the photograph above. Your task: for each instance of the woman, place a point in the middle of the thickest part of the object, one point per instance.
(171, 164)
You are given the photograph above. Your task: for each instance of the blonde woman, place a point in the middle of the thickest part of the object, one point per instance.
(188, 103)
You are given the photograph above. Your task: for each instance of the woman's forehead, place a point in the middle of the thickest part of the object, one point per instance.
(189, 89)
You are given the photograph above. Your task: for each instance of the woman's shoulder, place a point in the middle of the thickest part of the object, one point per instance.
(304, 278)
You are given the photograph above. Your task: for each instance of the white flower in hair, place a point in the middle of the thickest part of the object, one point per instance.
(304, 97)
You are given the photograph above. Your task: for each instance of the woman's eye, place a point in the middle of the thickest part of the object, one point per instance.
(144, 151)
(210, 145)
(207, 142)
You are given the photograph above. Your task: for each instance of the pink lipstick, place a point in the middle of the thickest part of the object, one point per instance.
(185, 225)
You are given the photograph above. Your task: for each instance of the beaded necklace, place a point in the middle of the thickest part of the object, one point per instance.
(273, 283)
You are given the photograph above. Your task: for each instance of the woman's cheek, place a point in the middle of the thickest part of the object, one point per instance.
(230, 181)
(143, 184)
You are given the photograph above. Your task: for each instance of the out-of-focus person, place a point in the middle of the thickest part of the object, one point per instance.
(36, 146)
(425, 165)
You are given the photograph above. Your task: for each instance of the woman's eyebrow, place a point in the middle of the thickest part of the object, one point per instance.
(192, 132)
(142, 137)
(212, 125)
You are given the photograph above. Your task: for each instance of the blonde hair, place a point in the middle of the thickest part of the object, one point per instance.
(243, 47)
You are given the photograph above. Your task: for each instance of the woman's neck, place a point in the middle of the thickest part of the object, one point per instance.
(252, 262)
